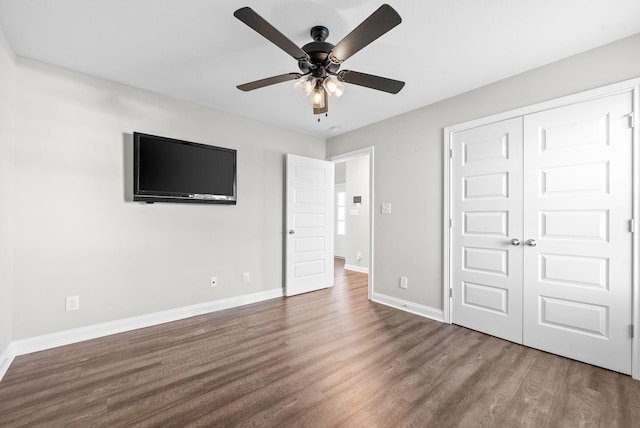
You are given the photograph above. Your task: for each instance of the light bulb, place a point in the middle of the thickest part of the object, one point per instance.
(333, 86)
(305, 85)
(317, 97)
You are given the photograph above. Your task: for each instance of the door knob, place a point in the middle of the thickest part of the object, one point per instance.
(291, 232)
(530, 242)
(515, 242)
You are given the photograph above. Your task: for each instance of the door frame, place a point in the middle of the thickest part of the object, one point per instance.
(341, 157)
(628, 86)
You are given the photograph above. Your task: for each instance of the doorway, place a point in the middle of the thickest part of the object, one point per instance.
(340, 216)
(357, 213)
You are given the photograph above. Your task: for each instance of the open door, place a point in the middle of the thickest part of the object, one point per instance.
(309, 221)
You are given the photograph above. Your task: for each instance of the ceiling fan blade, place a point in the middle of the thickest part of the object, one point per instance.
(378, 23)
(268, 31)
(371, 81)
(268, 81)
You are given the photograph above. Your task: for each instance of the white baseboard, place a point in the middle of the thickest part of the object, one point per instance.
(48, 341)
(414, 308)
(6, 358)
(53, 340)
(356, 268)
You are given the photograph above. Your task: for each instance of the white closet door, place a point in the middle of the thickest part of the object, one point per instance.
(578, 204)
(487, 215)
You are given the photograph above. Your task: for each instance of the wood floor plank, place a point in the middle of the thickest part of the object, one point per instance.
(324, 359)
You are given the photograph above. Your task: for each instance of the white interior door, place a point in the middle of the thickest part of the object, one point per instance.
(578, 206)
(487, 215)
(309, 220)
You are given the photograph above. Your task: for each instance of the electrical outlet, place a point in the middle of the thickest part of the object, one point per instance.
(246, 278)
(72, 303)
(404, 282)
(359, 256)
(214, 281)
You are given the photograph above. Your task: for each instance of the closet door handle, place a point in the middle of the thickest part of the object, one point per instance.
(515, 242)
(530, 242)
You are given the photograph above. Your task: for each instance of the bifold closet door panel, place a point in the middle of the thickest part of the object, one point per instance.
(487, 215)
(577, 208)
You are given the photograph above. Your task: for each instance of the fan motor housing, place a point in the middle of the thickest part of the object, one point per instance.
(318, 51)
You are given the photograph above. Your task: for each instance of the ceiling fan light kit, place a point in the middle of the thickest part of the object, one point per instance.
(333, 86)
(318, 97)
(304, 85)
(319, 62)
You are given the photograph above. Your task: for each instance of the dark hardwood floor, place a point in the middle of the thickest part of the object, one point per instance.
(324, 359)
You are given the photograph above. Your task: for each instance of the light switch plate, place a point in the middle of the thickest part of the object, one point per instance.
(386, 208)
(404, 282)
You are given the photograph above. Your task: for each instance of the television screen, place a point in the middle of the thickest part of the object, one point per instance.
(169, 170)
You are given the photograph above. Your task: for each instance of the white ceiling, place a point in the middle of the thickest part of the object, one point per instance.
(196, 50)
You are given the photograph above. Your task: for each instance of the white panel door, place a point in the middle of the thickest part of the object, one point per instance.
(487, 216)
(578, 204)
(309, 220)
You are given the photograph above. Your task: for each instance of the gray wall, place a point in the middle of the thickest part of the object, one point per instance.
(76, 234)
(357, 226)
(340, 172)
(408, 161)
(7, 107)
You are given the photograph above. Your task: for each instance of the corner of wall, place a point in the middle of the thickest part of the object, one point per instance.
(6, 358)
(7, 115)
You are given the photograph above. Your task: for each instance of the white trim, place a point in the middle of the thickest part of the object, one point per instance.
(366, 151)
(350, 155)
(53, 340)
(414, 308)
(633, 86)
(446, 227)
(6, 358)
(635, 342)
(371, 216)
(355, 268)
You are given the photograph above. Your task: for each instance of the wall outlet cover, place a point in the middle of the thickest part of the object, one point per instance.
(72, 303)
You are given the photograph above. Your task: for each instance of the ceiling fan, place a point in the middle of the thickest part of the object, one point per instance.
(319, 61)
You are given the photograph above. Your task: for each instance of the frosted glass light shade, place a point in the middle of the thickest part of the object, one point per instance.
(305, 85)
(317, 97)
(333, 86)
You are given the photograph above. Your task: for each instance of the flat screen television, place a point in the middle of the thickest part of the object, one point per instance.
(169, 170)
